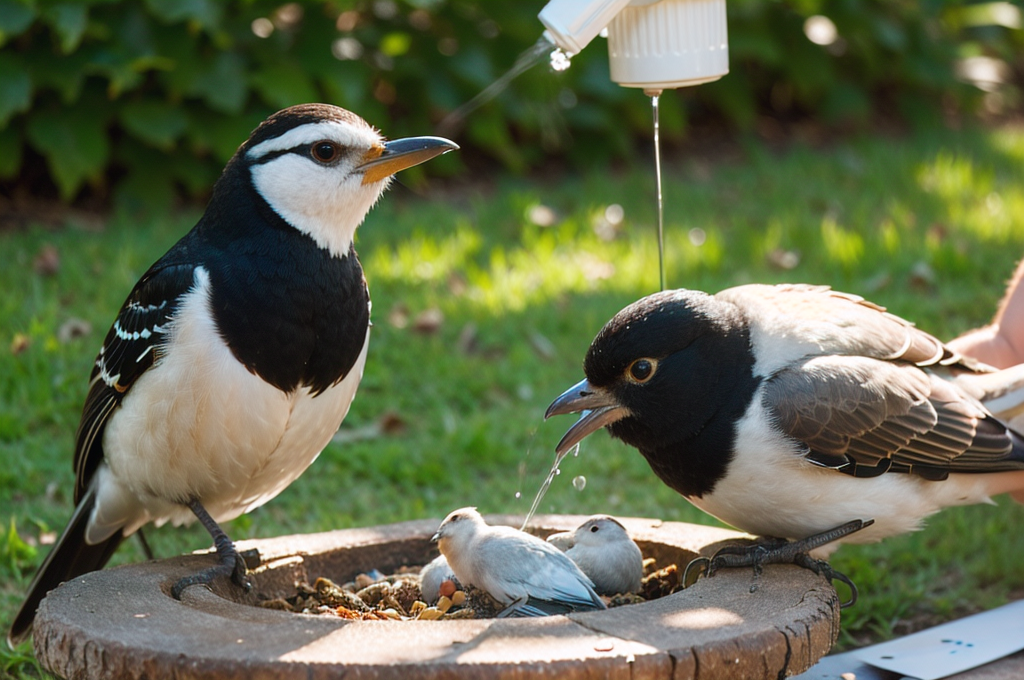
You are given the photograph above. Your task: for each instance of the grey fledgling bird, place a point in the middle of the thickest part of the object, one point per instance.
(527, 575)
(603, 550)
(432, 576)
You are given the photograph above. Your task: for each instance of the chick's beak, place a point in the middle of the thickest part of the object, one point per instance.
(597, 406)
(383, 161)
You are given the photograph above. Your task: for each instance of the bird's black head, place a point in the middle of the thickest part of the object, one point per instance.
(661, 358)
(632, 344)
(669, 375)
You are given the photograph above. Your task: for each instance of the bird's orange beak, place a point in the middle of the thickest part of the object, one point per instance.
(382, 161)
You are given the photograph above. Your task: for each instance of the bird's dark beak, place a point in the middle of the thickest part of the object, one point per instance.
(436, 537)
(383, 161)
(597, 406)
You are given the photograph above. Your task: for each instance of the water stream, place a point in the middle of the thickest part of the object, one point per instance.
(528, 58)
(547, 483)
(580, 481)
(655, 96)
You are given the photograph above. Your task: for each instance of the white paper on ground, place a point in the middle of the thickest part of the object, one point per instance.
(952, 647)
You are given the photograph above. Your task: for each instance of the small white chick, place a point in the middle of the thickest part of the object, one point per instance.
(522, 572)
(606, 554)
(432, 576)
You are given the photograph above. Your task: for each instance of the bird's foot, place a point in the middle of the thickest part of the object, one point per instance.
(229, 562)
(231, 565)
(778, 551)
(823, 568)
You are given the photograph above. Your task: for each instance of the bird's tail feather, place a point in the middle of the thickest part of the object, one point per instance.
(1010, 480)
(1017, 444)
(529, 607)
(533, 606)
(70, 557)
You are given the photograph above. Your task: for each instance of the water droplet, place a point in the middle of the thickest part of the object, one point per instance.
(560, 60)
(614, 213)
(567, 98)
(579, 482)
(533, 55)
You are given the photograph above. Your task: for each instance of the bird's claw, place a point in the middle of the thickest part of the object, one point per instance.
(823, 568)
(776, 551)
(698, 566)
(232, 566)
(240, 575)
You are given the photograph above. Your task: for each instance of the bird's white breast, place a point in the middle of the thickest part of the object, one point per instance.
(199, 425)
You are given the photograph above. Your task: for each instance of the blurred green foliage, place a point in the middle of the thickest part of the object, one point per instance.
(143, 100)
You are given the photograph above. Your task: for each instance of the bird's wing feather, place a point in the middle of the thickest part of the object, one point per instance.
(558, 579)
(840, 323)
(544, 573)
(865, 417)
(131, 347)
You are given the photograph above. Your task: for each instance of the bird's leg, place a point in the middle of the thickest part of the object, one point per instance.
(229, 561)
(778, 551)
(146, 550)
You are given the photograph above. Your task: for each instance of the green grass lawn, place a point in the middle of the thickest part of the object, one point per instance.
(930, 226)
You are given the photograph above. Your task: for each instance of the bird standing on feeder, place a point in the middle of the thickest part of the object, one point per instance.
(237, 354)
(527, 575)
(789, 410)
(603, 550)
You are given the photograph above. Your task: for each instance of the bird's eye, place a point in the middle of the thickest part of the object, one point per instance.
(594, 529)
(641, 370)
(325, 152)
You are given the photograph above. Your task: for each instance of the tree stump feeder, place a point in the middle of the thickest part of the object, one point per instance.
(122, 623)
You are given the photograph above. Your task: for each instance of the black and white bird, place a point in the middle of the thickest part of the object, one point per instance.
(236, 356)
(789, 410)
(602, 549)
(524, 573)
